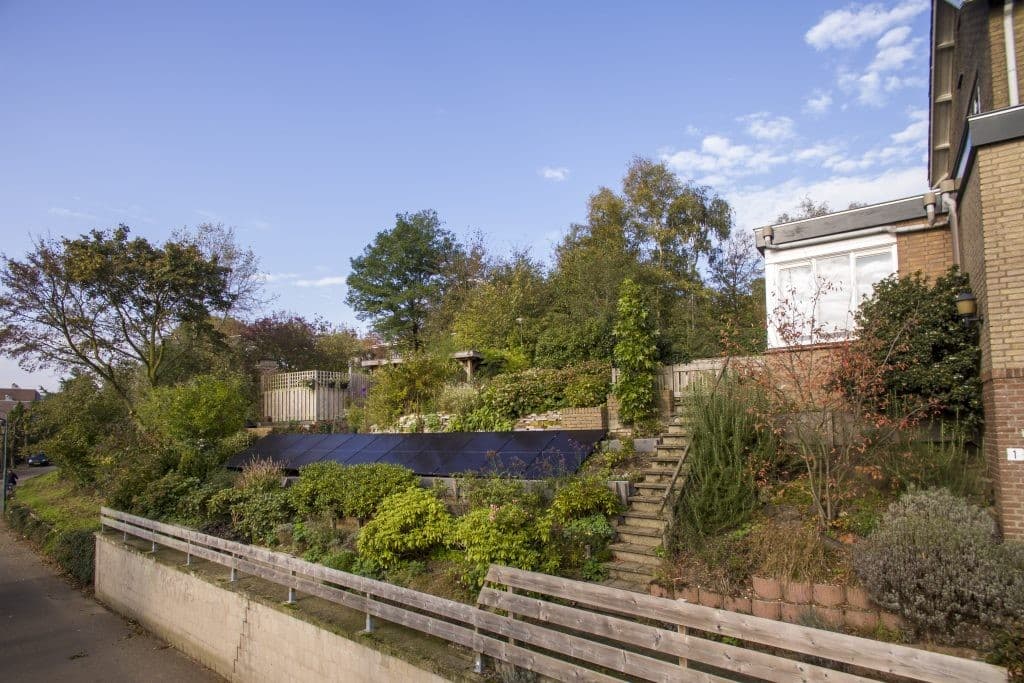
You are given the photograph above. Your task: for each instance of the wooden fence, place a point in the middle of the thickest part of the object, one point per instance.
(576, 631)
(676, 378)
(310, 396)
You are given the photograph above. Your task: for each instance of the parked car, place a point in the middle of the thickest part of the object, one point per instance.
(38, 460)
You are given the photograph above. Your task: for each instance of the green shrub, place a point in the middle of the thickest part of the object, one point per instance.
(537, 390)
(333, 490)
(457, 399)
(727, 450)
(587, 390)
(565, 341)
(317, 540)
(74, 552)
(934, 559)
(949, 463)
(409, 524)
(161, 498)
(910, 329)
(583, 497)
(483, 419)
(257, 505)
(636, 355)
(482, 492)
(410, 387)
(498, 534)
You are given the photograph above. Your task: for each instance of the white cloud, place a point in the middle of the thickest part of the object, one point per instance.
(916, 133)
(555, 174)
(894, 57)
(760, 206)
(278, 277)
(330, 281)
(894, 37)
(854, 25)
(818, 103)
(764, 126)
(818, 151)
(69, 213)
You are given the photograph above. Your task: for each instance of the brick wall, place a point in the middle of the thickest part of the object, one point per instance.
(585, 418)
(993, 239)
(929, 252)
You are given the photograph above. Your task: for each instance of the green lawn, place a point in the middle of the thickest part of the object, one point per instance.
(59, 502)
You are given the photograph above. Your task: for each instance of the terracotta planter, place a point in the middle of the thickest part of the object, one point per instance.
(710, 598)
(858, 597)
(893, 622)
(741, 605)
(767, 588)
(766, 609)
(794, 614)
(797, 592)
(861, 620)
(689, 594)
(659, 591)
(827, 595)
(829, 616)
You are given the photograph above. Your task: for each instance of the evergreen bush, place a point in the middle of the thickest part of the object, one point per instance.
(935, 559)
(728, 450)
(333, 490)
(408, 525)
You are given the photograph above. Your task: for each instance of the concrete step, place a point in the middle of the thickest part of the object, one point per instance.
(633, 572)
(650, 520)
(631, 552)
(625, 585)
(671, 449)
(658, 474)
(645, 488)
(674, 440)
(665, 461)
(638, 535)
(649, 504)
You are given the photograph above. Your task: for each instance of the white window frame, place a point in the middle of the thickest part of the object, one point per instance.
(777, 260)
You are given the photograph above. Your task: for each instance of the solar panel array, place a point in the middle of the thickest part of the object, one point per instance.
(526, 455)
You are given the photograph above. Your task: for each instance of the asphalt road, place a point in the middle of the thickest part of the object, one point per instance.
(50, 631)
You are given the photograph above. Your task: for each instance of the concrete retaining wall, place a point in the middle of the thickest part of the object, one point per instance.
(236, 636)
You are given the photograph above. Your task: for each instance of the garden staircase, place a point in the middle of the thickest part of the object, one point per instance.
(640, 533)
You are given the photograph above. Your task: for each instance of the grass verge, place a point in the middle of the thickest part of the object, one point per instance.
(60, 519)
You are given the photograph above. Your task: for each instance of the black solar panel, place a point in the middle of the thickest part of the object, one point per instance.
(531, 455)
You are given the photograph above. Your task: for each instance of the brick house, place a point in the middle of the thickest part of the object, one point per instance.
(972, 217)
(12, 396)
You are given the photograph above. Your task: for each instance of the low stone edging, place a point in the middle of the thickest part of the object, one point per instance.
(796, 602)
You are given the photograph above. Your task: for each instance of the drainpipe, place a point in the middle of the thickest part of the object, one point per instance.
(1011, 55)
(954, 225)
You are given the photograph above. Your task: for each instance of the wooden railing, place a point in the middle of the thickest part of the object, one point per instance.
(576, 631)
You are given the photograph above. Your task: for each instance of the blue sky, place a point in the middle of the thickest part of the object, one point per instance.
(307, 126)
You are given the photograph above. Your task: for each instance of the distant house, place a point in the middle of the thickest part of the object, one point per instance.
(13, 395)
(973, 217)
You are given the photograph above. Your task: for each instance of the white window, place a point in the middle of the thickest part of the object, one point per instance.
(813, 292)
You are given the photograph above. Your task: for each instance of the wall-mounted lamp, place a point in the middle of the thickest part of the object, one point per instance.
(967, 308)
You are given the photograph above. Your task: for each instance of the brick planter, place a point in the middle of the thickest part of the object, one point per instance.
(827, 595)
(858, 597)
(767, 609)
(767, 588)
(860, 620)
(690, 594)
(710, 598)
(741, 605)
(797, 592)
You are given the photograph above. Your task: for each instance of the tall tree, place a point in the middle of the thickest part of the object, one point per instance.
(104, 302)
(676, 223)
(402, 276)
(244, 282)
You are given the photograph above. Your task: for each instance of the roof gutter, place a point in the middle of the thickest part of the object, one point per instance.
(892, 230)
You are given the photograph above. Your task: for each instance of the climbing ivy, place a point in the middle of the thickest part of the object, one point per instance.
(635, 355)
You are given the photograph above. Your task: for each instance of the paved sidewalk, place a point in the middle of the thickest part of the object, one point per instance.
(50, 631)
